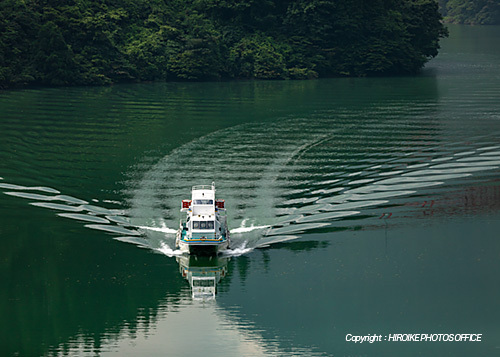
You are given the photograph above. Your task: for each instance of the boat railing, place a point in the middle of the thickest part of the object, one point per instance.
(198, 236)
(202, 187)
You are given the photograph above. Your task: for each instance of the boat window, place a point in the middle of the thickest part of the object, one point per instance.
(203, 225)
(203, 202)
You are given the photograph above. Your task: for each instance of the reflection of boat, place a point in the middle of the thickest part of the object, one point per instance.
(204, 230)
(203, 274)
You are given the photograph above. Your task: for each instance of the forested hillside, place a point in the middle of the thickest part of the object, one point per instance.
(471, 12)
(82, 42)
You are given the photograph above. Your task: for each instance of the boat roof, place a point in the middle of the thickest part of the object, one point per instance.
(203, 192)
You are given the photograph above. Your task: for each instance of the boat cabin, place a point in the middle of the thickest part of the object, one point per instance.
(204, 229)
(202, 220)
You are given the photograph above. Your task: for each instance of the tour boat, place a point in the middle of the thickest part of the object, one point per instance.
(203, 230)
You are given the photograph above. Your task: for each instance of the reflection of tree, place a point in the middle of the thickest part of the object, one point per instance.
(219, 268)
(61, 289)
(266, 259)
(243, 264)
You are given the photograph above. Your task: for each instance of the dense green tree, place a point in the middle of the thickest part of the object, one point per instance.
(74, 42)
(473, 12)
(54, 59)
(363, 37)
(259, 56)
(19, 25)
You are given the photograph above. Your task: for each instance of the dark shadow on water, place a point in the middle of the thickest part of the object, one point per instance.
(58, 289)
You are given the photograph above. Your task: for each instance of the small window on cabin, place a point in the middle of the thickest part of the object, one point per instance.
(203, 225)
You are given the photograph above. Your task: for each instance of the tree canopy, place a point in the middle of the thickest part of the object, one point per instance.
(82, 42)
(471, 12)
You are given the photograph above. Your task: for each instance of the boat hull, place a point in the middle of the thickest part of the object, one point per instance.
(200, 246)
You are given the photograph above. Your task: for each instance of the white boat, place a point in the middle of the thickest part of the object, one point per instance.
(203, 230)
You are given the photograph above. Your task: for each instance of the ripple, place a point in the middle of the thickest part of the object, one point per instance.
(465, 153)
(295, 228)
(57, 206)
(70, 199)
(83, 217)
(247, 229)
(295, 173)
(269, 240)
(36, 188)
(288, 219)
(357, 182)
(422, 177)
(480, 166)
(113, 229)
(454, 171)
(378, 195)
(125, 221)
(492, 153)
(406, 186)
(351, 205)
(102, 210)
(165, 230)
(141, 242)
(392, 173)
(326, 216)
(35, 196)
(417, 166)
(489, 148)
(480, 159)
(32, 196)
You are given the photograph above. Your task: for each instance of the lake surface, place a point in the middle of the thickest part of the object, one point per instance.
(366, 206)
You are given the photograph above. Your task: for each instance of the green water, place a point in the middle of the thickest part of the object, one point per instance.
(357, 206)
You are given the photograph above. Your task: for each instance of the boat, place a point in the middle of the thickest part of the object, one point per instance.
(203, 229)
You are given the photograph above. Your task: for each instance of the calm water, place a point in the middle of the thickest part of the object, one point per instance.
(357, 206)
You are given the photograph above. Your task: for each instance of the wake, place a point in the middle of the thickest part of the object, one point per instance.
(279, 204)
